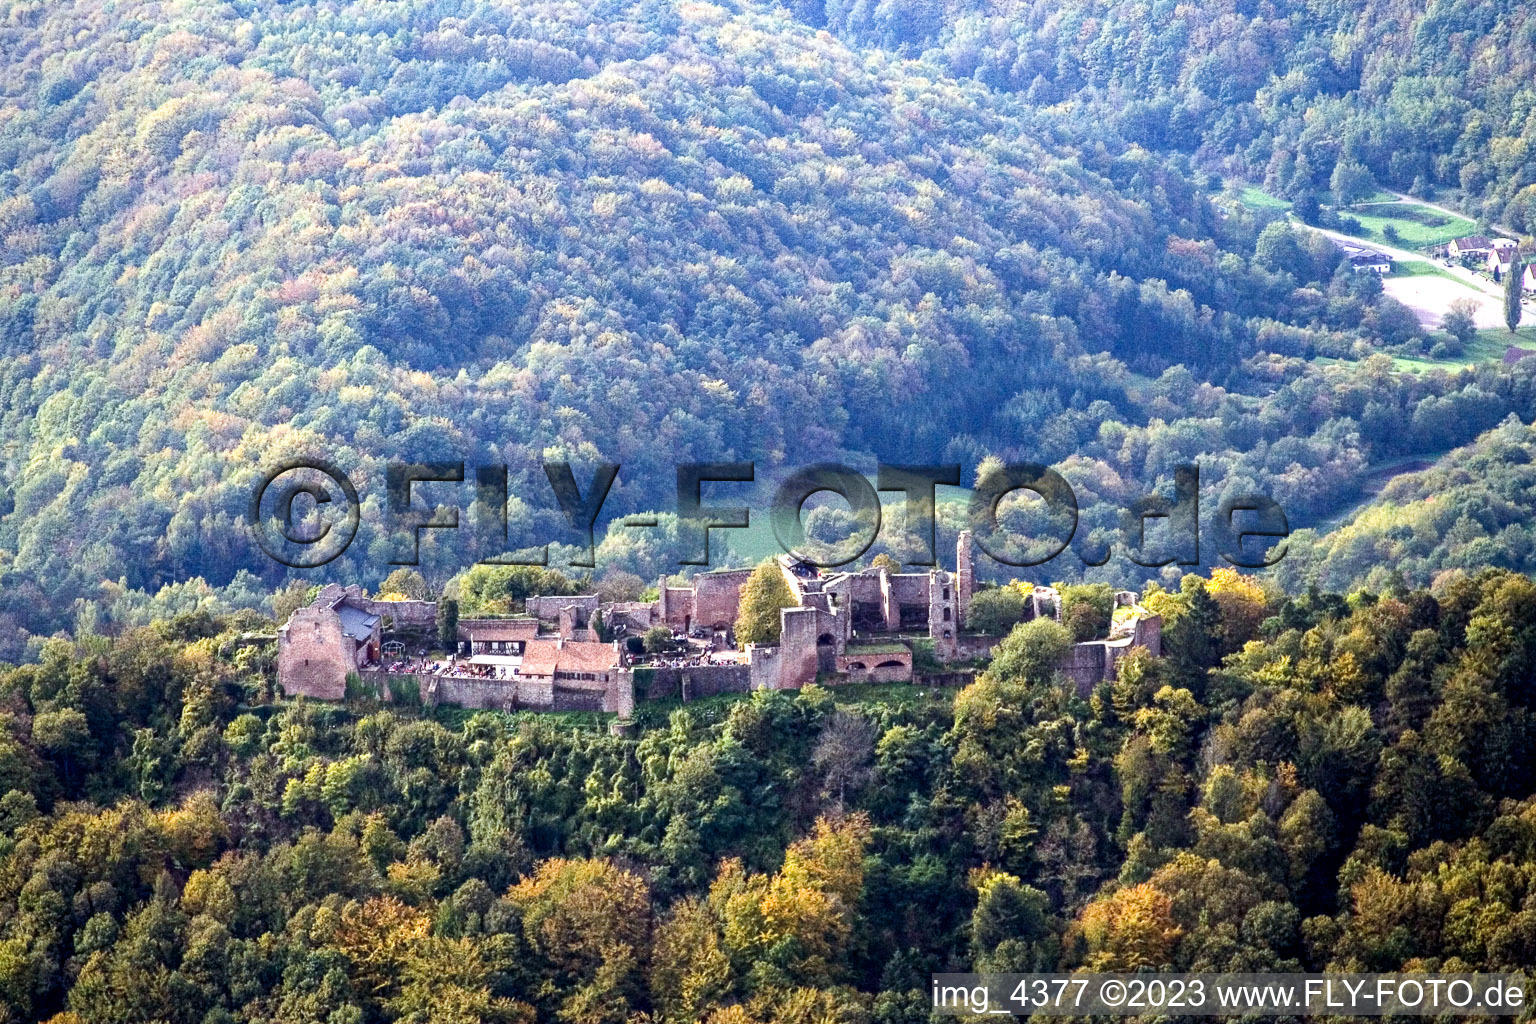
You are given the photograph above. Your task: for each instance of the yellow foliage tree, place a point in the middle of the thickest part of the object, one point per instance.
(797, 1005)
(446, 981)
(764, 593)
(690, 971)
(576, 910)
(589, 921)
(1130, 929)
(396, 960)
(1243, 605)
(195, 831)
(811, 899)
(379, 936)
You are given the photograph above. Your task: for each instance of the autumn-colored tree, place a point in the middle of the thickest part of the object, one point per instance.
(196, 832)
(811, 900)
(589, 922)
(397, 961)
(1129, 930)
(404, 584)
(1243, 605)
(762, 596)
(690, 971)
(379, 936)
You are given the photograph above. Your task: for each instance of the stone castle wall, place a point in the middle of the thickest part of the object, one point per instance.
(548, 608)
(1149, 634)
(479, 694)
(1085, 666)
(403, 614)
(801, 653)
(520, 694)
(312, 658)
(948, 680)
(675, 605)
(965, 576)
(876, 667)
(763, 666)
(702, 681)
(1088, 664)
(973, 645)
(716, 597)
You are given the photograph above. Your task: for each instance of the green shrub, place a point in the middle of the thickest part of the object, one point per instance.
(358, 689)
(995, 611)
(1087, 609)
(405, 690)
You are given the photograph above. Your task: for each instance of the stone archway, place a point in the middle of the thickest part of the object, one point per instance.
(826, 653)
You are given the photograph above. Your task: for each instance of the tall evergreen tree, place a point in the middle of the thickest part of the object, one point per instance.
(448, 624)
(1192, 643)
(1512, 295)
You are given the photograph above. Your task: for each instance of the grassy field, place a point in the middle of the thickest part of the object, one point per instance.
(1488, 347)
(1416, 226)
(1258, 199)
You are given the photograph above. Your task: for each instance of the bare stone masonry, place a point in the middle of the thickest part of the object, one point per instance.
(844, 627)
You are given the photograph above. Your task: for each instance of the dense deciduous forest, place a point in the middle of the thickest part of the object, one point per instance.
(663, 231)
(1421, 97)
(654, 232)
(1271, 794)
(1470, 510)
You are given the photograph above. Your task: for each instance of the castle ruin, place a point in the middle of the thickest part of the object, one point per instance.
(848, 626)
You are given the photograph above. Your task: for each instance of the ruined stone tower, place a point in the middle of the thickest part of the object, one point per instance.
(943, 624)
(964, 576)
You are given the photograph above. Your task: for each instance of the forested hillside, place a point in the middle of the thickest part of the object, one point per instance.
(1428, 96)
(1472, 509)
(173, 847)
(652, 232)
(666, 231)
(659, 231)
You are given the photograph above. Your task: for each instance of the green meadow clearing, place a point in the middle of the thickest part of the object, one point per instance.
(1416, 227)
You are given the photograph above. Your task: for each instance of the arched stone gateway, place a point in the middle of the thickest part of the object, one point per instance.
(826, 653)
